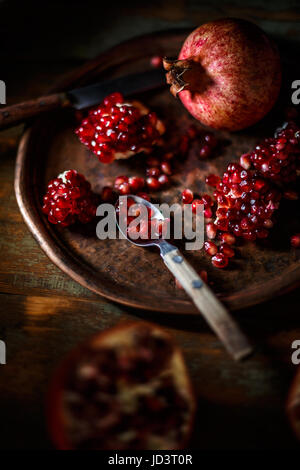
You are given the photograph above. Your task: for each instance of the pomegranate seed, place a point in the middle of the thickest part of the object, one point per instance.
(144, 196)
(187, 196)
(210, 248)
(295, 240)
(211, 140)
(166, 168)
(163, 180)
(208, 213)
(153, 172)
(227, 250)
(211, 231)
(207, 200)
(219, 260)
(212, 180)
(228, 238)
(245, 161)
(153, 183)
(195, 204)
(136, 183)
(124, 189)
(120, 180)
(205, 151)
(268, 223)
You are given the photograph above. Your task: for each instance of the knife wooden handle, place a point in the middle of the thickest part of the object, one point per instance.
(214, 312)
(12, 115)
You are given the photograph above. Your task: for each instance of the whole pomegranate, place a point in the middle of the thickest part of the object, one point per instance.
(228, 74)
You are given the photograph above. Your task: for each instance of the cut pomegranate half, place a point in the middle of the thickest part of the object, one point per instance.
(119, 129)
(126, 388)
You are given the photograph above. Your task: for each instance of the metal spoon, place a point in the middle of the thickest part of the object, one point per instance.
(216, 315)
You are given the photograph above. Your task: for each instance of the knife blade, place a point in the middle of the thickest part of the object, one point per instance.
(131, 84)
(81, 98)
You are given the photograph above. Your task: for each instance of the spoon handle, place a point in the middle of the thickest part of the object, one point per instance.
(216, 315)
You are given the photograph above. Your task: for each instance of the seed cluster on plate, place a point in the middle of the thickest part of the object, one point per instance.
(69, 199)
(277, 158)
(118, 129)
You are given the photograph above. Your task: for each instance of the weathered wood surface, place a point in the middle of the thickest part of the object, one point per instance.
(43, 313)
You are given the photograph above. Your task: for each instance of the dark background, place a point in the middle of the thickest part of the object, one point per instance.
(240, 406)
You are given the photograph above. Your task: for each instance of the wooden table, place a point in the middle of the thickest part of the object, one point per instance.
(43, 313)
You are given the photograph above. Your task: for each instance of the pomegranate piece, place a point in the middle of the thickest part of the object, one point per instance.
(124, 389)
(295, 241)
(219, 261)
(69, 199)
(119, 129)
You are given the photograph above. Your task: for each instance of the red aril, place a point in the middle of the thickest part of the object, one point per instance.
(219, 261)
(210, 248)
(187, 196)
(295, 241)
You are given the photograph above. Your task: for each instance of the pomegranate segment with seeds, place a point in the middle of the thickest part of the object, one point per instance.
(126, 388)
(278, 158)
(69, 199)
(119, 129)
(245, 201)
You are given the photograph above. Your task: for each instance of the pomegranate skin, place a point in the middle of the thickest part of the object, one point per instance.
(237, 74)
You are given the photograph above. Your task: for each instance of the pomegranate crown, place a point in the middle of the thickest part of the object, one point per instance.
(175, 70)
